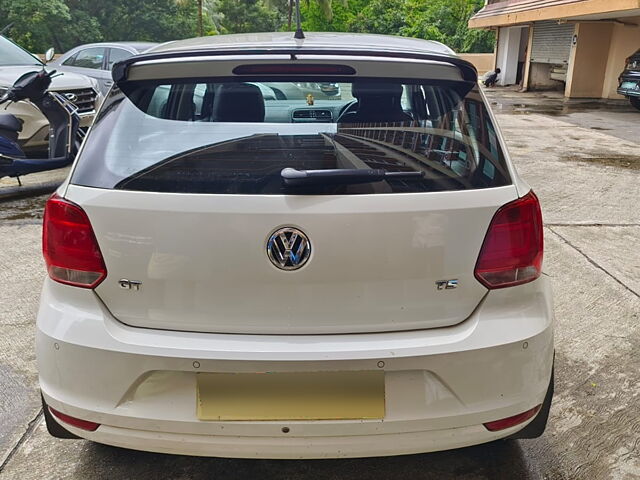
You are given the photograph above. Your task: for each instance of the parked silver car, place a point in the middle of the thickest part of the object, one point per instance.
(80, 90)
(95, 60)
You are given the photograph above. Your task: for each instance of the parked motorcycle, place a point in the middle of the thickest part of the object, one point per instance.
(63, 120)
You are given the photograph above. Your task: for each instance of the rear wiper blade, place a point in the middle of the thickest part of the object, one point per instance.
(342, 176)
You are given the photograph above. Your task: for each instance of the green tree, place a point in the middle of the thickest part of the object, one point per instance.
(39, 24)
(200, 4)
(441, 20)
(446, 21)
(244, 16)
(317, 18)
(64, 24)
(36, 22)
(379, 16)
(208, 17)
(325, 6)
(147, 20)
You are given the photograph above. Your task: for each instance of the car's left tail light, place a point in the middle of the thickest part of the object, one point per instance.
(69, 245)
(75, 422)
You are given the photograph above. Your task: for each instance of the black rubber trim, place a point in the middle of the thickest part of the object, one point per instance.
(538, 425)
(53, 427)
(120, 69)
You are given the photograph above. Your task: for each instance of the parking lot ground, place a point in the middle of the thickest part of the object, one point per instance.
(31, 185)
(588, 181)
(617, 118)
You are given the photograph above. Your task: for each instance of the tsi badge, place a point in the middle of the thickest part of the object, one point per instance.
(129, 284)
(447, 284)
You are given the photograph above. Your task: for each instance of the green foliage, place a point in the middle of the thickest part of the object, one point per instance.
(244, 16)
(386, 17)
(327, 7)
(441, 20)
(36, 21)
(39, 24)
(446, 21)
(322, 16)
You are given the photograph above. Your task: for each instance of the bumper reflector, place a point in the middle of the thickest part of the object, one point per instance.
(75, 422)
(512, 421)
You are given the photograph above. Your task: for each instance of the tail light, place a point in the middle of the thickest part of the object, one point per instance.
(76, 422)
(293, 69)
(69, 245)
(512, 421)
(513, 246)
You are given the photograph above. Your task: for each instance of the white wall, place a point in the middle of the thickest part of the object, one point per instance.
(508, 54)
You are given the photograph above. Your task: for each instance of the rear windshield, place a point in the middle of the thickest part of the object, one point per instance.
(236, 137)
(634, 62)
(11, 54)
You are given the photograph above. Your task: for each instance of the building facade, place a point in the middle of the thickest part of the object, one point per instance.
(578, 46)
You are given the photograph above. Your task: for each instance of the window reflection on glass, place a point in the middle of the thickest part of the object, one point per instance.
(236, 137)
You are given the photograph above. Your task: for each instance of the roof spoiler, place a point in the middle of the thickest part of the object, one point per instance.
(120, 69)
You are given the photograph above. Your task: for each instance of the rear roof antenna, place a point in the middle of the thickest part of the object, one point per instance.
(299, 33)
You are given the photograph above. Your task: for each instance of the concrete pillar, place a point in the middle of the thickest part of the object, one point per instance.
(588, 61)
(508, 52)
(625, 40)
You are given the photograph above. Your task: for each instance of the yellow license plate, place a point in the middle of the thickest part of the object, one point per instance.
(291, 396)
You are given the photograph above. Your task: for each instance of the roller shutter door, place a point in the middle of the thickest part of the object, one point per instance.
(551, 42)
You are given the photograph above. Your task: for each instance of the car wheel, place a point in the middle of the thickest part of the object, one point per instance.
(54, 428)
(536, 428)
(635, 101)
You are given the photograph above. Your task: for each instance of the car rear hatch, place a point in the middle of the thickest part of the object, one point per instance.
(182, 181)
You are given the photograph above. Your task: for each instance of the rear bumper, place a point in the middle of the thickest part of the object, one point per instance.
(629, 92)
(441, 384)
(280, 446)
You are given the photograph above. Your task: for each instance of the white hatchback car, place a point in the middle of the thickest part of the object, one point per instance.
(240, 275)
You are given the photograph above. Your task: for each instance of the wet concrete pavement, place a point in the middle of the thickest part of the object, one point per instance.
(31, 185)
(23, 210)
(590, 204)
(617, 118)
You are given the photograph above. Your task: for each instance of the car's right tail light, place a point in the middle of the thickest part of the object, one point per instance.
(69, 245)
(509, 422)
(513, 246)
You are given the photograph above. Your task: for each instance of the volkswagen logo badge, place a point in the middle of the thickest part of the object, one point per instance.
(288, 248)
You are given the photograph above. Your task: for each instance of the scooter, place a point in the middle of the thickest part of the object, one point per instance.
(64, 123)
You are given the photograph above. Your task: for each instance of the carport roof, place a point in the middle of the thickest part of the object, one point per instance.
(513, 12)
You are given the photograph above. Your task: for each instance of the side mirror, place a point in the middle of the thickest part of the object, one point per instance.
(49, 54)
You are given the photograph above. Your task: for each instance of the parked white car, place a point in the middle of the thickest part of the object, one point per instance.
(240, 276)
(81, 90)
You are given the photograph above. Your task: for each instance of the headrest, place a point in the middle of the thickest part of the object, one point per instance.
(238, 102)
(376, 89)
